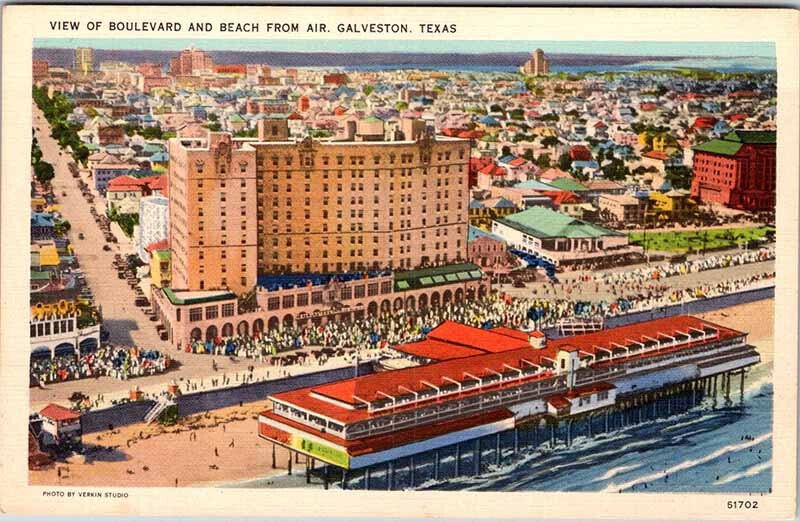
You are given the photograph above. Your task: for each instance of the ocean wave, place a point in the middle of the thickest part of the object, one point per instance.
(749, 472)
(689, 463)
(613, 472)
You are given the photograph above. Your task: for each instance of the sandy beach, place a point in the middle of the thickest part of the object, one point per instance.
(221, 447)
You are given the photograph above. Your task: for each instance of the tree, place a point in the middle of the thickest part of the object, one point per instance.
(543, 161)
(505, 151)
(44, 172)
(151, 133)
(679, 177)
(213, 117)
(62, 227)
(550, 141)
(616, 170)
(564, 161)
(368, 89)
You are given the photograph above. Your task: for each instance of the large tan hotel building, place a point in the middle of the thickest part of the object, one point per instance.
(321, 230)
(244, 207)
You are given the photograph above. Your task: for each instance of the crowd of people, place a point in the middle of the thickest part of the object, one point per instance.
(120, 362)
(378, 333)
(685, 267)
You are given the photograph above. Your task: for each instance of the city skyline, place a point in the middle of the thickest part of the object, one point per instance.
(610, 48)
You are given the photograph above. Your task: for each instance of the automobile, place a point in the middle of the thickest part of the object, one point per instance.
(107, 248)
(80, 235)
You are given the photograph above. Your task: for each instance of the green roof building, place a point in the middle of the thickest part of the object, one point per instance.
(559, 238)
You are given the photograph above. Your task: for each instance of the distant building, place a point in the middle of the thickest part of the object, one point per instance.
(335, 78)
(153, 223)
(84, 60)
(61, 427)
(191, 62)
(559, 238)
(622, 207)
(40, 69)
(737, 171)
(538, 65)
(160, 268)
(485, 249)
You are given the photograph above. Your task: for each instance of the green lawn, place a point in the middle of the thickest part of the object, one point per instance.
(691, 240)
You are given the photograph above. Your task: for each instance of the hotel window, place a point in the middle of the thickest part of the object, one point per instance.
(212, 312)
(316, 297)
(302, 300)
(372, 289)
(273, 303)
(195, 314)
(288, 301)
(227, 310)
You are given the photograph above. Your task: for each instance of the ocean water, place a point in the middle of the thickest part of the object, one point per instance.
(722, 64)
(713, 450)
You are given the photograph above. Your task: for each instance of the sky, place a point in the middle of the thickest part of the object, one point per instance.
(723, 49)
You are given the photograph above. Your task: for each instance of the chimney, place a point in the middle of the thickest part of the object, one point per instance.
(537, 339)
(273, 129)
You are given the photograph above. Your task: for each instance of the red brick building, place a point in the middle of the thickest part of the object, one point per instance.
(41, 69)
(737, 171)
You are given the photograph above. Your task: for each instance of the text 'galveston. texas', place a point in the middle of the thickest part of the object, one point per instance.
(493, 266)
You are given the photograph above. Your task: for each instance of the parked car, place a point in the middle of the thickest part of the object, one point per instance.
(80, 235)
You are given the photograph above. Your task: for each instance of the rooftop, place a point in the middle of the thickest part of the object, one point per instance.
(545, 223)
(183, 297)
(426, 277)
(510, 356)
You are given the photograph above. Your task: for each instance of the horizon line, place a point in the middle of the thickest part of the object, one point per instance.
(718, 49)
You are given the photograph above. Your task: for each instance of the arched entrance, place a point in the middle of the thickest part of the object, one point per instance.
(470, 294)
(372, 308)
(273, 323)
(447, 297)
(42, 352)
(459, 295)
(482, 292)
(386, 306)
(410, 303)
(398, 304)
(65, 349)
(211, 333)
(258, 326)
(196, 334)
(227, 330)
(423, 301)
(88, 345)
(435, 299)
(243, 328)
(288, 321)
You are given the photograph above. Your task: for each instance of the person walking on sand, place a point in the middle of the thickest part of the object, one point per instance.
(232, 444)
(216, 452)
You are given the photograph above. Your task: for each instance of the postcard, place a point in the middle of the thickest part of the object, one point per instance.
(399, 261)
